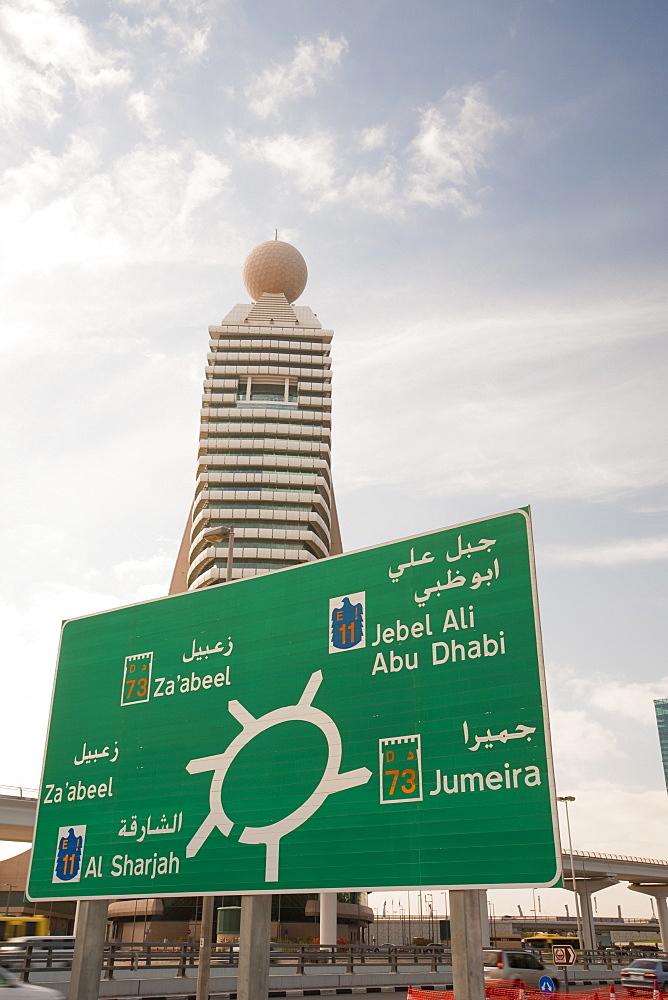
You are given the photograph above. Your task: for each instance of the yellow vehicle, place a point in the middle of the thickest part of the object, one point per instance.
(23, 926)
(544, 942)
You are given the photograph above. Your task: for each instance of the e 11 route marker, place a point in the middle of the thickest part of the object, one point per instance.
(369, 721)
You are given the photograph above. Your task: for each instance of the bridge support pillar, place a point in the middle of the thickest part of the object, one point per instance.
(660, 893)
(585, 888)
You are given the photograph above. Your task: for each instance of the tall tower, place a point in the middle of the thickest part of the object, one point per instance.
(264, 470)
(661, 709)
(264, 466)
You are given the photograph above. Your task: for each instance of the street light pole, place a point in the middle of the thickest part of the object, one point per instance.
(578, 916)
(217, 534)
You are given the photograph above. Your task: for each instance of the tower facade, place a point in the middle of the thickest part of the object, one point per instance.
(264, 464)
(661, 709)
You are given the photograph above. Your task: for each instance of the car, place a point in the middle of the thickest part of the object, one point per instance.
(25, 991)
(516, 966)
(645, 974)
(50, 951)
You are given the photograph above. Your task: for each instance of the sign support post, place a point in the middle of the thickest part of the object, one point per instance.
(255, 932)
(563, 955)
(204, 962)
(88, 949)
(467, 968)
(328, 918)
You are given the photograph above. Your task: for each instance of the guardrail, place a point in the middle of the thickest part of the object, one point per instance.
(23, 792)
(180, 958)
(615, 857)
(302, 958)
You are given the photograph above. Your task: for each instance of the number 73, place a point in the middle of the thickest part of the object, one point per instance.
(408, 787)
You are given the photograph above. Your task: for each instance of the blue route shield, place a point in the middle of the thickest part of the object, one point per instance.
(347, 625)
(68, 858)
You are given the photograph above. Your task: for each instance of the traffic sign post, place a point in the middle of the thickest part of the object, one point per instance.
(374, 720)
(563, 954)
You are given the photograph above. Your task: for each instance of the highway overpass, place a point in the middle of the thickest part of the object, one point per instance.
(18, 808)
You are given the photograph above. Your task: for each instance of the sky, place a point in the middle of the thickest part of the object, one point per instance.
(478, 188)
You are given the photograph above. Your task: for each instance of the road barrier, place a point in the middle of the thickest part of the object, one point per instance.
(520, 992)
(302, 959)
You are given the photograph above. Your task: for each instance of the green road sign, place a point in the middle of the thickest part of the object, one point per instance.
(369, 721)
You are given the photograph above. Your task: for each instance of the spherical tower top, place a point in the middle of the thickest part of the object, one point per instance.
(275, 267)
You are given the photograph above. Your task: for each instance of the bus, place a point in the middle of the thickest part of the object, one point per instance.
(544, 942)
(23, 926)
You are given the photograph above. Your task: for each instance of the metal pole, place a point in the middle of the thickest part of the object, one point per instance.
(204, 962)
(230, 554)
(88, 954)
(253, 976)
(467, 968)
(219, 534)
(578, 916)
(206, 929)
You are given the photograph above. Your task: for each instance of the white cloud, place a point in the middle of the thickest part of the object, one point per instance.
(309, 161)
(601, 727)
(147, 205)
(144, 578)
(374, 137)
(312, 60)
(439, 167)
(527, 408)
(183, 26)
(613, 818)
(449, 150)
(26, 93)
(43, 48)
(577, 737)
(30, 639)
(375, 191)
(143, 106)
(617, 699)
(314, 164)
(630, 550)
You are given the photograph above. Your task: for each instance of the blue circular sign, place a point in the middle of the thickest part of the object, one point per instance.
(546, 985)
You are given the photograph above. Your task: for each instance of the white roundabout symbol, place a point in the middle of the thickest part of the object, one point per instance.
(331, 781)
